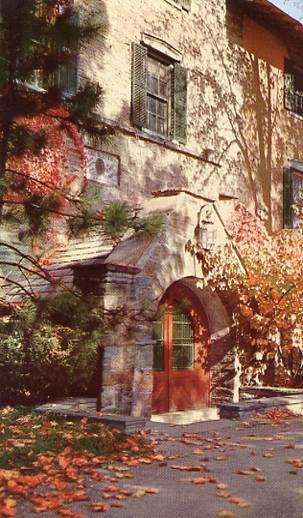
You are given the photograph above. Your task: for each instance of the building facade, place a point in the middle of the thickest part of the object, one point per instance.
(205, 101)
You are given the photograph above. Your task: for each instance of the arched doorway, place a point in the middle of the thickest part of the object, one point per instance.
(181, 339)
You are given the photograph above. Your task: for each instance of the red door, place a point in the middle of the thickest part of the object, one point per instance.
(181, 340)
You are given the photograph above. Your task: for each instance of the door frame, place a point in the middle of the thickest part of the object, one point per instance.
(167, 377)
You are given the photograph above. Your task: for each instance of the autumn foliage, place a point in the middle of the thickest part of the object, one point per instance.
(268, 312)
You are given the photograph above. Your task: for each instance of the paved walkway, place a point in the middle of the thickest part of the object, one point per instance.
(252, 462)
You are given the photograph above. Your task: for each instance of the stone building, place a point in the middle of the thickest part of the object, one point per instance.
(206, 103)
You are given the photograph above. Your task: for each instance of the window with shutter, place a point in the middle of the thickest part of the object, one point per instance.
(292, 199)
(293, 88)
(159, 94)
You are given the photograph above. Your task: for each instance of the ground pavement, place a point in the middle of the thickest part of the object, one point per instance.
(218, 469)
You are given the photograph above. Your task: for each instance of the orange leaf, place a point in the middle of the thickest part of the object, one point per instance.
(200, 480)
(139, 493)
(59, 484)
(255, 469)
(99, 507)
(222, 486)
(111, 489)
(151, 490)
(79, 497)
(133, 462)
(187, 468)
(223, 494)
(6, 510)
(143, 460)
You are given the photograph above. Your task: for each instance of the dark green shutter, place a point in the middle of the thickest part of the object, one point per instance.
(289, 86)
(139, 58)
(186, 4)
(68, 72)
(179, 103)
(287, 198)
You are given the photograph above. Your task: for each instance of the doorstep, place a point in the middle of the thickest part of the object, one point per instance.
(187, 416)
(78, 408)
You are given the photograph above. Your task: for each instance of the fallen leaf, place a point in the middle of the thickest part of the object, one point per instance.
(222, 486)
(111, 489)
(200, 480)
(144, 460)
(6, 510)
(238, 501)
(151, 490)
(99, 507)
(139, 493)
(226, 514)
(260, 478)
(59, 484)
(187, 468)
(223, 494)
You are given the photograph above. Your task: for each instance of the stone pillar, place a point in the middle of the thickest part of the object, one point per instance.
(119, 341)
(143, 373)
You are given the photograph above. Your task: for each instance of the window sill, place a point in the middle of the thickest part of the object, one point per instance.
(294, 115)
(171, 2)
(169, 144)
(179, 7)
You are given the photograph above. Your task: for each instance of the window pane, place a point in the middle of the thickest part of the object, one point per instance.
(158, 337)
(163, 87)
(152, 122)
(152, 104)
(183, 341)
(158, 96)
(297, 183)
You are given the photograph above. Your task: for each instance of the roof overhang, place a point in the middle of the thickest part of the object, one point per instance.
(274, 18)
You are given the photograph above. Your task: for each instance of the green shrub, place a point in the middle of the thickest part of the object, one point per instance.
(49, 351)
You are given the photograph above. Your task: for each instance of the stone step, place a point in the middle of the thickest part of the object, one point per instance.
(76, 408)
(293, 403)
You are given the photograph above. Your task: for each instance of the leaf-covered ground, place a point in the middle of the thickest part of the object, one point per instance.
(227, 469)
(47, 463)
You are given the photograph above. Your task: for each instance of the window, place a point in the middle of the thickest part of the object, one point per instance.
(293, 198)
(179, 330)
(66, 76)
(159, 94)
(293, 88)
(182, 341)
